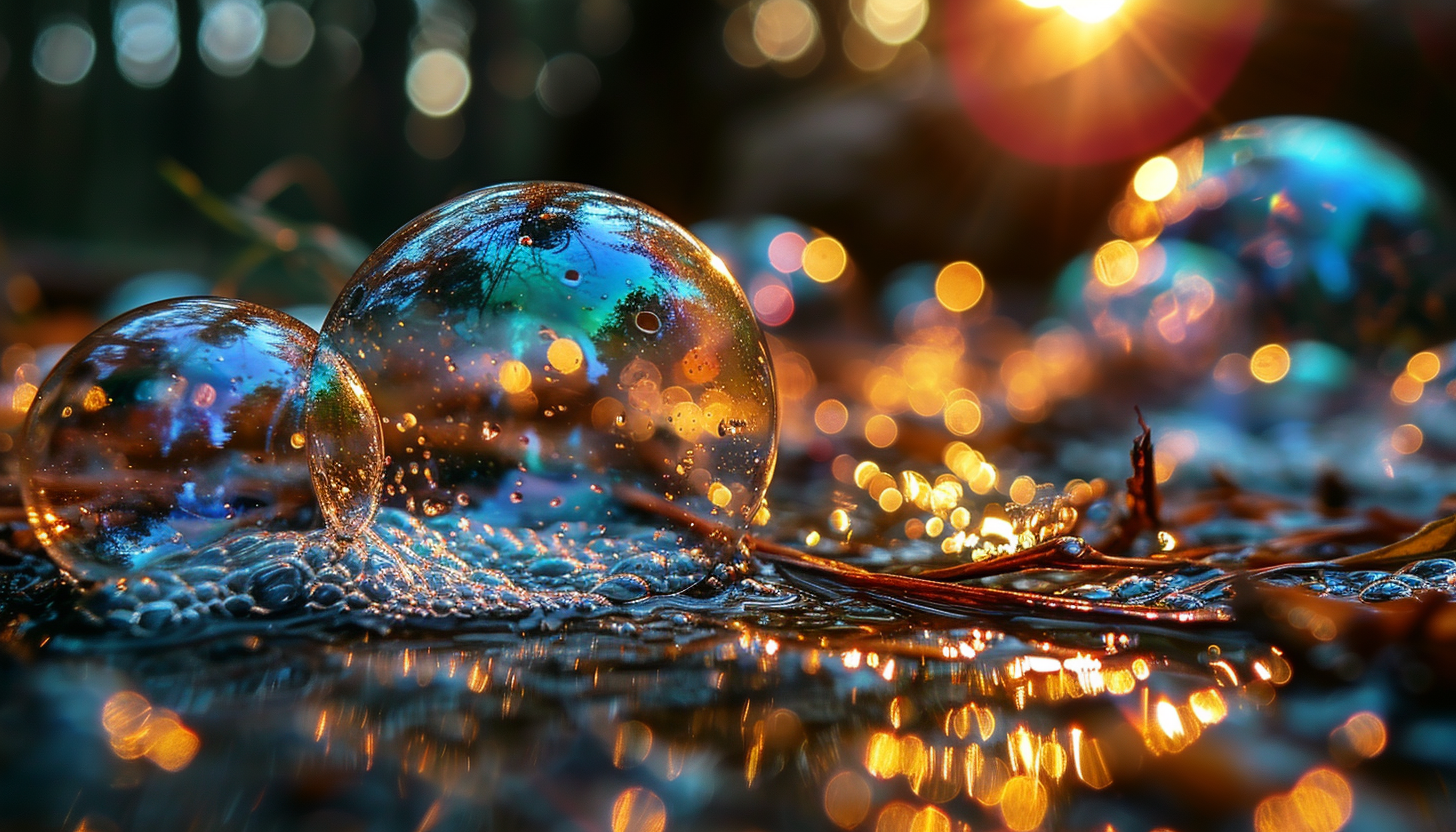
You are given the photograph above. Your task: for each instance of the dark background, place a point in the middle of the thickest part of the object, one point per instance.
(887, 162)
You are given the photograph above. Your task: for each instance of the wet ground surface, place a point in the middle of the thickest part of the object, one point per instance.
(769, 699)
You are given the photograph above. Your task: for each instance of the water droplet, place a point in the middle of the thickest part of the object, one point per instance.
(185, 425)
(591, 402)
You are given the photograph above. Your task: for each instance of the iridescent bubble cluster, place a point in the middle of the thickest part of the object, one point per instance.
(1237, 250)
(517, 357)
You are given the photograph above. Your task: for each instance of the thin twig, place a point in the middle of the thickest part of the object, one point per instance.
(962, 598)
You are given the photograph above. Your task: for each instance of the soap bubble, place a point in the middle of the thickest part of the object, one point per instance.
(170, 427)
(531, 346)
(1269, 232)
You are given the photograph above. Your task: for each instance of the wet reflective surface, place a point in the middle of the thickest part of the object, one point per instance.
(833, 717)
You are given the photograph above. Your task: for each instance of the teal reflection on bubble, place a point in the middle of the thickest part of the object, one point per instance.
(1273, 231)
(532, 347)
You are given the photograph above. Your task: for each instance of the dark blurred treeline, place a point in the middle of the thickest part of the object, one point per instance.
(885, 161)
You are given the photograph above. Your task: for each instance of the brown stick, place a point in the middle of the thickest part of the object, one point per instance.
(889, 587)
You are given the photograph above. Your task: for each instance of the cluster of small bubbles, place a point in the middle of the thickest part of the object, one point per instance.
(1283, 252)
(533, 347)
(170, 427)
(1194, 586)
(406, 569)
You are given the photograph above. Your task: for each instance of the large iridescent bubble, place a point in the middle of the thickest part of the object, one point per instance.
(173, 425)
(533, 346)
(1264, 234)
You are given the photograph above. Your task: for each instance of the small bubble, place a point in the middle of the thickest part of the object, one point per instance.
(571, 278)
(517, 497)
(648, 322)
(489, 431)
(435, 508)
(296, 440)
(731, 427)
(556, 502)
(525, 239)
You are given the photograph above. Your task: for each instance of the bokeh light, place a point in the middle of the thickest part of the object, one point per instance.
(1269, 363)
(147, 41)
(892, 22)
(230, 38)
(824, 259)
(64, 52)
(784, 30)
(290, 34)
(959, 286)
(604, 26)
(438, 82)
(847, 799)
(1156, 178)
(568, 84)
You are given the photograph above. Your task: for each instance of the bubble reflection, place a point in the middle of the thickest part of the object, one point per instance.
(168, 428)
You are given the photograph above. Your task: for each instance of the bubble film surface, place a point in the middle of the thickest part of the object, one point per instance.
(532, 346)
(1269, 232)
(170, 427)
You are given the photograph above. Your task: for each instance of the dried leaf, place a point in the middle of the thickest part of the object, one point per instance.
(1432, 539)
